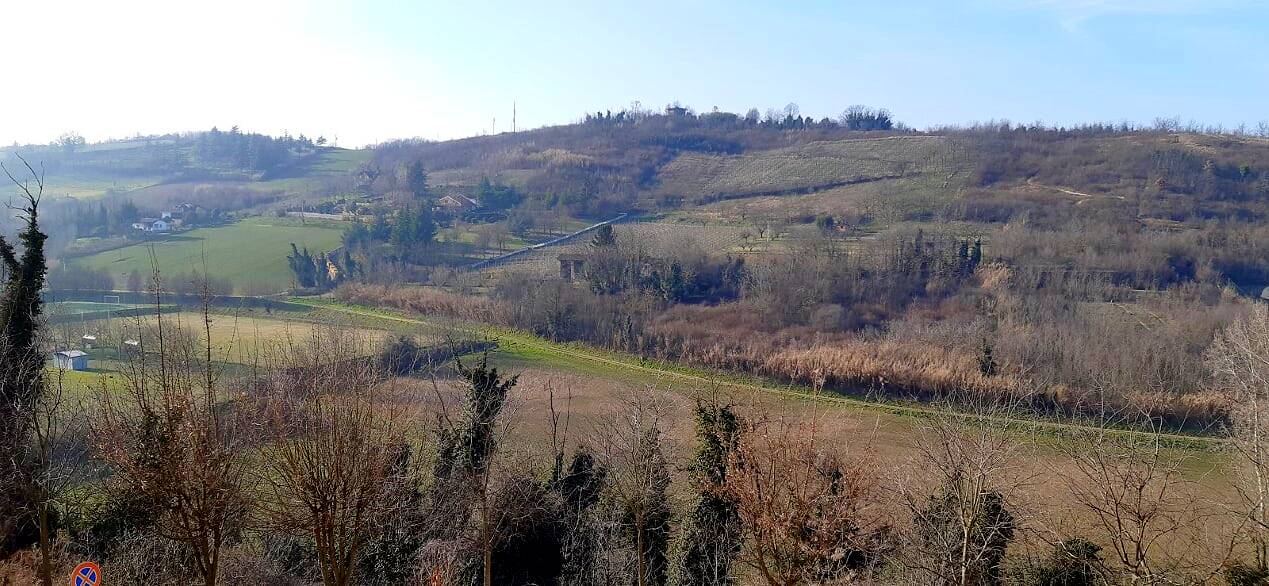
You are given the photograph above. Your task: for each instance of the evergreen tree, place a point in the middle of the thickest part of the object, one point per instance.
(403, 228)
(424, 226)
(987, 360)
(21, 370)
(604, 237)
(579, 487)
(711, 536)
(321, 271)
(653, 528)
(301, 263)
(416, 181)
(486, 394)
(1075, 562)
(976, 545)
(380, 230)
(355, 234)
(976, 255)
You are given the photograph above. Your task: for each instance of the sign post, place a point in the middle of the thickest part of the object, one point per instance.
(86, 574)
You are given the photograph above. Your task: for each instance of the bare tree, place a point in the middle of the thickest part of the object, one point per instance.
(59, 455)
(806, 516)
(961, 492)
(332, 452)
(173, 436)
(1140, 505)
(638, 477)
(1239, 358)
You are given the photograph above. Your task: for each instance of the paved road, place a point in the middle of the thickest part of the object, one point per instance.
(552, 242)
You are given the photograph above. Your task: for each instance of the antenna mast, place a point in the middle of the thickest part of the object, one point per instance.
(513, 116)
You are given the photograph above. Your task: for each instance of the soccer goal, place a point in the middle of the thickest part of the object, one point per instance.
(110, 299)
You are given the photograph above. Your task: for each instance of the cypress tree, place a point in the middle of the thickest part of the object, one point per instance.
(21, 368)
(711, 535)
(604, 237)
(987, 360)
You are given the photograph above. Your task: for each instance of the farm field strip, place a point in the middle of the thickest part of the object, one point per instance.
(250, 252)
(617, 364)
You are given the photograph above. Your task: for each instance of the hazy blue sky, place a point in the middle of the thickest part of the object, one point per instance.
(373, 70)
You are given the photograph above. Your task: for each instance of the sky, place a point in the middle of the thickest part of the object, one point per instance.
(367, 71)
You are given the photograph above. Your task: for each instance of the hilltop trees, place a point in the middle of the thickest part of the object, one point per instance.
(865, 118)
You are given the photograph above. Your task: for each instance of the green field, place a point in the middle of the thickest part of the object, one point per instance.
(73, 307)
(88, 187)
(251, 253)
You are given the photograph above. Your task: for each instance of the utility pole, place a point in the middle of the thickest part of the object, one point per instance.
(493, 126)
(513, 116)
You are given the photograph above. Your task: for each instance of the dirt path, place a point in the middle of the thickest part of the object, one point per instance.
(1083, 196)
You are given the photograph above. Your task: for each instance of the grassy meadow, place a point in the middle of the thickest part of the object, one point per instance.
(250, 253)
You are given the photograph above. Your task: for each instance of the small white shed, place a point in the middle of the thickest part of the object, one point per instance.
(71, 360)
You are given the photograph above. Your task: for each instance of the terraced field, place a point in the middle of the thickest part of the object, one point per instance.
(881, 202)
(700, 178)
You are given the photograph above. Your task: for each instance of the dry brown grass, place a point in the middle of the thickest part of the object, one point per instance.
(421, 300)
(699, 177)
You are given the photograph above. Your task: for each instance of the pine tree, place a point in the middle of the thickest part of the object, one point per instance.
(424, 226)
(380, 230)
(416, 181)
(403, 228)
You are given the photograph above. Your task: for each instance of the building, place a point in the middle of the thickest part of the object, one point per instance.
(88, 341)
(571, 266)
(152, 225)
(457, 202)
(71, 360)
(131, 347)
